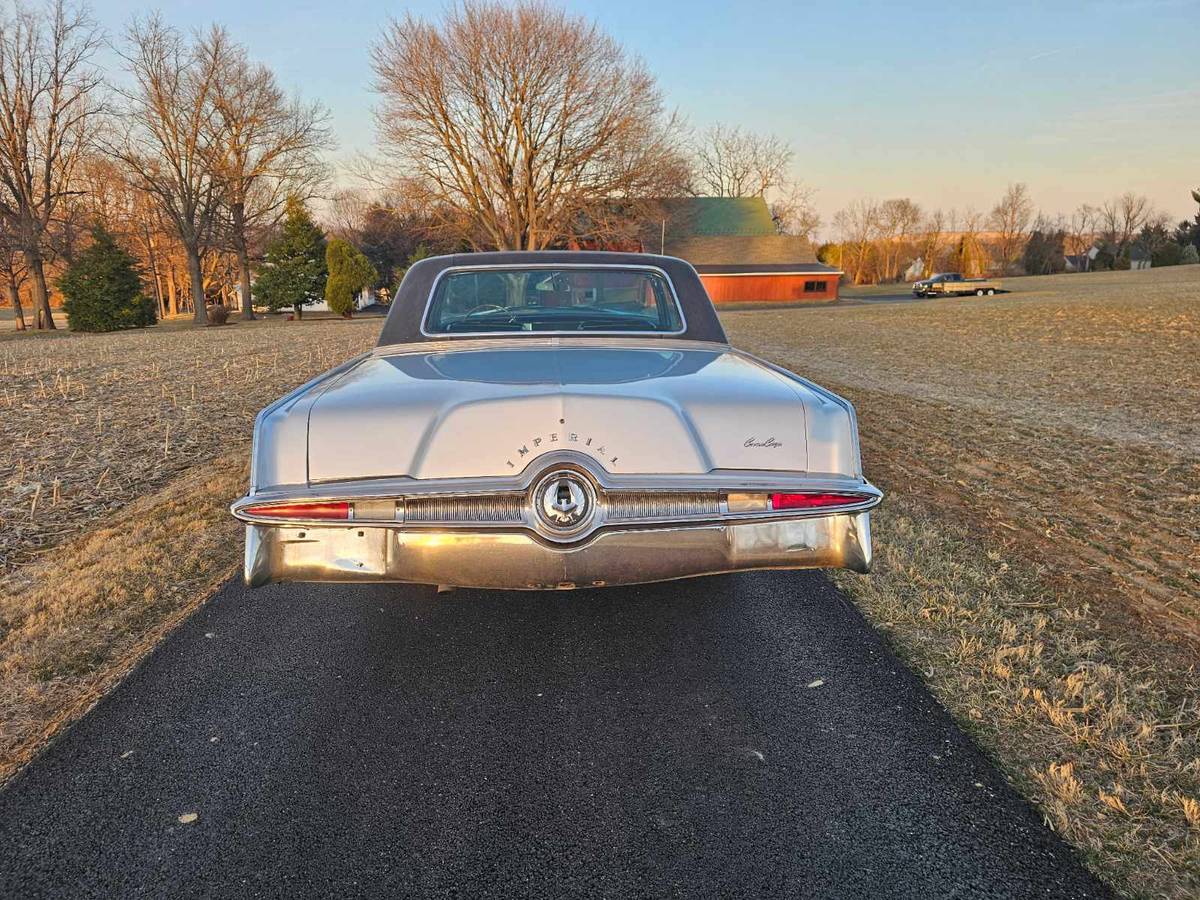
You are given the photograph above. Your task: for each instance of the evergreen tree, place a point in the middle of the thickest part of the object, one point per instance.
(422, 252)
(103, 290)
(1044, 252)
(294, 271)
(349, 273)
(1188, 233)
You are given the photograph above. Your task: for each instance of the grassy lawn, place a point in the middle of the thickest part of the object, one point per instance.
(1038, 555)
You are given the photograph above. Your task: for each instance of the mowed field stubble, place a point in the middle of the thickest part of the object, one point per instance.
(1065, 418)
(1037, 556)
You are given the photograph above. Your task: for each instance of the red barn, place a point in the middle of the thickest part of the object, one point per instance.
(741, 259)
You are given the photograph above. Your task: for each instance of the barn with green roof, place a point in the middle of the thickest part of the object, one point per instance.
(733, 244)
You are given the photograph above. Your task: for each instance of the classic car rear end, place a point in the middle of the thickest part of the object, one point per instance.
(553, 420)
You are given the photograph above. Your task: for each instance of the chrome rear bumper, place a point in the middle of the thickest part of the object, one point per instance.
(519, 561)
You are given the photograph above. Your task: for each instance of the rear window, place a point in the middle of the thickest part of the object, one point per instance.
(566, 299)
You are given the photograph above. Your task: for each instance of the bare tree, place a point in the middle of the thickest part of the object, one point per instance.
(1010, 219)
(170, 140)
(49, 103)
(346, 212)
(13, 271)
(970, 255)
(268, 146)
(730, 162)
(1080, 229)
(517, 121)
(794, 213)
(897, 220)
(1123, 217)
(931, 241)
(858, 230)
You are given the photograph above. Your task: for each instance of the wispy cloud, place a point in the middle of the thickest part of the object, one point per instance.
(1046, 53)
(1007, 60)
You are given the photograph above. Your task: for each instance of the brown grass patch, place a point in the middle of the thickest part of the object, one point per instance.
(1039, 552)
(71, 627)
(90, 422)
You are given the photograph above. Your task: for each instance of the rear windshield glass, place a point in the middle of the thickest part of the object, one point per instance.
(549, 299)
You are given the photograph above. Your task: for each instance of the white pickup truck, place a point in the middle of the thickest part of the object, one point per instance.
(952, 284)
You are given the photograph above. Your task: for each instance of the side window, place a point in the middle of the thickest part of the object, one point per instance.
(814, 287)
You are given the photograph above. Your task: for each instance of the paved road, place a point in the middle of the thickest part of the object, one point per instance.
(737, 736)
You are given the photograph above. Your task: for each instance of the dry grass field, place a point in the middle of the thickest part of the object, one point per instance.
(1039, 552)
(1038, 555)
(90, 422)
(1066, 417)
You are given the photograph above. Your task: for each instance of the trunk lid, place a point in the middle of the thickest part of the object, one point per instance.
(489, 412)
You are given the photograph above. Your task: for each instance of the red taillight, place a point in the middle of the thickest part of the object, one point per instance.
(813, 501)
(334, 510)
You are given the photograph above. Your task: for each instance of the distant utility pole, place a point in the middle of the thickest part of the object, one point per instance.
(662, 241)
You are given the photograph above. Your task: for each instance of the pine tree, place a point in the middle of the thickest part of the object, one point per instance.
(349, 273)
(103, 289)
(421, 252)
(294, 271)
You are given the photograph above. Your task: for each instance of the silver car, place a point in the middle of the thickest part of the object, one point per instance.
(553, 420)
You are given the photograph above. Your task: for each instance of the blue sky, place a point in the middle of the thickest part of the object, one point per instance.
(942, 102)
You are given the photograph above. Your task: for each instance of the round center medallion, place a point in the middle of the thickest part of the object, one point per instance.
(563, 501)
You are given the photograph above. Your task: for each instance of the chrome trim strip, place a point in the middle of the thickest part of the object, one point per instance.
(749, 480)
(510, 267)
(650, 505)
(445, 509)
(601, 522)
(620, 502)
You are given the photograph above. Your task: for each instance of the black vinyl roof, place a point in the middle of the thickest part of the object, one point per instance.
(403, 325)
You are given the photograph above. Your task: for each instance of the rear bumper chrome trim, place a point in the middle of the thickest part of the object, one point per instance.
(483, 504)
(517, 560)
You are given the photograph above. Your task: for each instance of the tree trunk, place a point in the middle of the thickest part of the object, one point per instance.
(41, 294)
(14, 295)
(244, 289)
(238, 214)
(199, 312)
(153, 260)
(172, 298)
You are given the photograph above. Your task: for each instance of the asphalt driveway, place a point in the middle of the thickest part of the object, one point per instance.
(746, 735)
